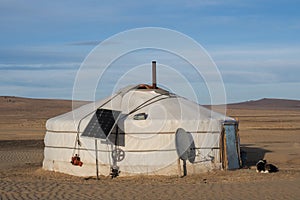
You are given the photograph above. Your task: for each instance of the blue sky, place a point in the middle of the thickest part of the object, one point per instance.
(254, 43)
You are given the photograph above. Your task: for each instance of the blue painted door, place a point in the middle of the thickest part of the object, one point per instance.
(232, 145)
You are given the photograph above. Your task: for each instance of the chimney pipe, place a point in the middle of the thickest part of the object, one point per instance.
(154, 74)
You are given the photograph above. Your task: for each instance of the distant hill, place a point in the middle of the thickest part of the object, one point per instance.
(47, 108)
(267, 103)
(33, 108)
(30, 115)
(25, 118)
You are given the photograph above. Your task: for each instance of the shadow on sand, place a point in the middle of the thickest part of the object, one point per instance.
(254, 154)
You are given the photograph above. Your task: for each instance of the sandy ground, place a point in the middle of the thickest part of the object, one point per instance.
(270, 132)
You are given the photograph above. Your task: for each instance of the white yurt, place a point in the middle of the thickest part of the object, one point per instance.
(141, 130)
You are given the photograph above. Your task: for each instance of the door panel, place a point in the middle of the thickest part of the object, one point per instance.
(231, 146)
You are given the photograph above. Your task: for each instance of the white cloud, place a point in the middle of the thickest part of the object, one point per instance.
(37, 83)
(246, 77)
(255, 50)
(257, 56)
(39, 66)
(258, 64)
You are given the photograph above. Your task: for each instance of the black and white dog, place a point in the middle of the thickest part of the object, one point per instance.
(263, 167)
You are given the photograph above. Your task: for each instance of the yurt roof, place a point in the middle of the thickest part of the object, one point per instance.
(159, 104)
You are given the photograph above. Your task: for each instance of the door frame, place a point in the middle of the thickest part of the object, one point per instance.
(223, 147)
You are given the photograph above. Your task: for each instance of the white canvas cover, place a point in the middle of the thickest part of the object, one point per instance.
(149, 144)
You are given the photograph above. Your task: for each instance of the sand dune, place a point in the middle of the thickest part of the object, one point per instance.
(269, 129)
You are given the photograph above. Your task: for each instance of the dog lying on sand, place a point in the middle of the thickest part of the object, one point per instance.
(263, 167)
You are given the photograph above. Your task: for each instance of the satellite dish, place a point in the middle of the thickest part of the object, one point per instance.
(185, 145)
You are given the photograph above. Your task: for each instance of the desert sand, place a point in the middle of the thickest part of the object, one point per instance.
(269, 129)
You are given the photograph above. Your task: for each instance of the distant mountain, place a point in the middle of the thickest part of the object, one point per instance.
(268, 103)
(46, 108)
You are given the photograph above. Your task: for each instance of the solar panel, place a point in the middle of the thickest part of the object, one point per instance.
(101, 124)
